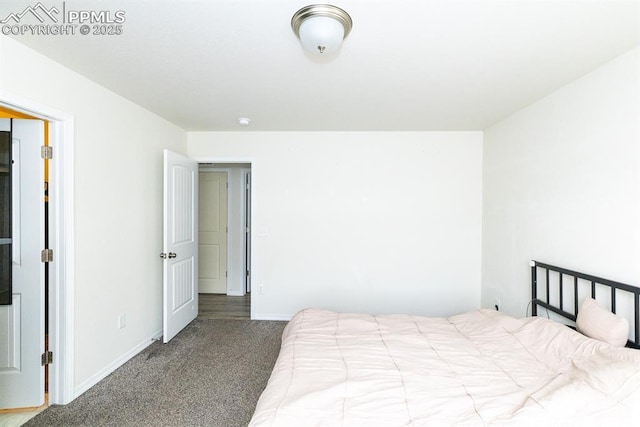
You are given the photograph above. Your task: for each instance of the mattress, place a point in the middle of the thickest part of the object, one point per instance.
(477, 368)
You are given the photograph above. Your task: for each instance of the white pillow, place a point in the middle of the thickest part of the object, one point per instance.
(597, 322)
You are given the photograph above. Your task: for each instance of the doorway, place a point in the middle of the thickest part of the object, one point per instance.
(23, 240)
(229, 185)
(60, 239)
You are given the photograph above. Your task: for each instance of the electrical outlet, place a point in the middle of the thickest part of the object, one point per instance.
(497, 304)
(260, 288)
(122, 321)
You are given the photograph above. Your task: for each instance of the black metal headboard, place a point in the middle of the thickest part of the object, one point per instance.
(575, 276)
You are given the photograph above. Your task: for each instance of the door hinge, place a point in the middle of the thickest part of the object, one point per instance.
(226, 274)
(47, 358)
(46, 255)
(46, 152)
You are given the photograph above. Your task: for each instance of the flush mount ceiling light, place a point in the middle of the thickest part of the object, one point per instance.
(321, 28)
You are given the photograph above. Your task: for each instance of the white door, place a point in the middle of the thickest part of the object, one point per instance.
(22, 322)
(180, 243)
(212, 233)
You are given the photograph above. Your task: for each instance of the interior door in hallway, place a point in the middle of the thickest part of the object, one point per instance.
(22, 239)
(212, 235)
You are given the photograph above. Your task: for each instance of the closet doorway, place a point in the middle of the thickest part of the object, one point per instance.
(224, 274)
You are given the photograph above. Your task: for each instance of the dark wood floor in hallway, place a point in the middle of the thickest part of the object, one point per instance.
(221, 306)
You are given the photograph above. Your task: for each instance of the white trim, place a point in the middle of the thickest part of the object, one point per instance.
(235, 294)
(100, 375)
(244, 208)
(270, 316)
(61, 238)
(230, 159)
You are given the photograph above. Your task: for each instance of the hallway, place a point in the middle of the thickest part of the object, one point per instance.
(220, 306)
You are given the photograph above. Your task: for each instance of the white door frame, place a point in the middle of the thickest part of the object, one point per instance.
(61, 238)
(246, 179)
(252, 162)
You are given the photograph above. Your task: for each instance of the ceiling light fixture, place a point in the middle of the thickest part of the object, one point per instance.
(321, 28)
(244, 121)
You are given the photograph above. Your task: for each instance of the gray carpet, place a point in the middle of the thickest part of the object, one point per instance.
(211, 374)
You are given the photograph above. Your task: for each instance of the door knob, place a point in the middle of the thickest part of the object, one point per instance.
(165, 256)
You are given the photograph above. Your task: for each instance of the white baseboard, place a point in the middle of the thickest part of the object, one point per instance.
(270, 316)
(235, 294)
(95, 379)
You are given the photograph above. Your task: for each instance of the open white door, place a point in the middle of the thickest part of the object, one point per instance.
(22, 322)
(180, 243)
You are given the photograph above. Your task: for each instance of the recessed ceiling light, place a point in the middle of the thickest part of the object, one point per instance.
(244, 121)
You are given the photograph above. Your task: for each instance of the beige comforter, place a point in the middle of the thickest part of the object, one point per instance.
(478, 368)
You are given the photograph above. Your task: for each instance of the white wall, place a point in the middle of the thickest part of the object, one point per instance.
(118, 206)
(561, 185)
(361, 221)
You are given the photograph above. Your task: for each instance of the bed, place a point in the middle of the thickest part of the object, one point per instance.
(478, 368)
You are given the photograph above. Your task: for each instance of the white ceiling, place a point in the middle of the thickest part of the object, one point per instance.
(407, 64)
